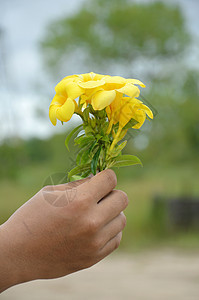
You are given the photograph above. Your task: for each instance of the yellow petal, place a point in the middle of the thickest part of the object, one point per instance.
(58, 100)
(125, 115)
(85, 76)
(101, 99)
(73, 90)
(135, 81)
(91, 84)
(140, 117)
(83, 99)
(97, 76)
(129, 90)
(147, 111)
(90, 76)
(65, 112)
(114, 79)
(52, 114)
(60, 88)
(113, 82)
(109, 112)
(69, 77)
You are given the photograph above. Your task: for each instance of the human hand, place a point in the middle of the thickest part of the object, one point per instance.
(63, 229)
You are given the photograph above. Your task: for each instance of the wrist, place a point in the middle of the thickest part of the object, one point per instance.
(9, 267)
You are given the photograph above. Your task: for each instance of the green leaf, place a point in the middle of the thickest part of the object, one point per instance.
(76, 177)
(85, 156)
(95, 161)
(70, 135)
(83, 140)
(86, 173)
(78, 170)
(116, 151)
(125, 160)
(86, 113)
(79, 155)
(93, 145)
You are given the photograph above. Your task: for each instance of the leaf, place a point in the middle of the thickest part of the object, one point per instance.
(86, 113)
(93, 145)
(83, 140)
(116, 151)
(86, 173)
(125, 160)
(95, 161)
(70, 135)
(79, 155)
(85, 156)
(76, 177)
(78, 170)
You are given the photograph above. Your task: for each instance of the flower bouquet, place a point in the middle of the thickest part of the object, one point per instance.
(108, 107)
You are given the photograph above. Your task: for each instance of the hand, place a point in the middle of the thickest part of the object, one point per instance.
(62, 229)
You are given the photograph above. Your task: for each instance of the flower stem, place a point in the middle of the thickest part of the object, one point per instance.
(116, 139)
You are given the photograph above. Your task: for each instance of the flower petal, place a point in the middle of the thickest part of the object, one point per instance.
(147, 111)
(73, 90)
(91, 84)
(129, 90)
(58, 100)
(65, 112)
(83, 99)
(52, 114)
(101, 99)
(135, 81)
(140, 117)
(60, 88)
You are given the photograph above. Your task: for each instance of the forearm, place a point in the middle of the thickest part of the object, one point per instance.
(9, 274)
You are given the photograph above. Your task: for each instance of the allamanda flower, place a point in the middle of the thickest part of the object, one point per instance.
(123, 109)
(95, 89)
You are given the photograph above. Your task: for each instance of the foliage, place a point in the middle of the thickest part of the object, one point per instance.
(109, 32)
(95, 151)
(17, 154)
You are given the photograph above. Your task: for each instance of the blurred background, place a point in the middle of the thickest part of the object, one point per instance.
(154, 41)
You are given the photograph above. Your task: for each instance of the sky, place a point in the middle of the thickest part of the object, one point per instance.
(22, 26)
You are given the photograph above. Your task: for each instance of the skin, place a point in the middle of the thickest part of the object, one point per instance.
(62, 229)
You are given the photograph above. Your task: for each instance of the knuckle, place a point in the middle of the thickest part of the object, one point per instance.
(85, 197)
(96, 244)
(82, 205)
(123, 220)
(111, 177)
(117, 241)
(46, 188)
(123, 197)
(93, 225)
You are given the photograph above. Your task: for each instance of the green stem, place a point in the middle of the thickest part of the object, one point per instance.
(116, 139)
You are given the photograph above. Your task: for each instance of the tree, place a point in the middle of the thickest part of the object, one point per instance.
(107, 36)
(105, 33)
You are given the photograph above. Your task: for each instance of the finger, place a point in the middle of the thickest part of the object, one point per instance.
(110, 246)
(98, 186)
(112, 205)
(111, 229)
(66, 186)
(73, 184)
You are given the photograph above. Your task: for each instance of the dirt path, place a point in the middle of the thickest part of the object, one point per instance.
(161, 275)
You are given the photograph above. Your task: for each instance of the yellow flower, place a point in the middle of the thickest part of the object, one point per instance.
(123, 109)
(114, 86)
(98, 90)
(63, 105)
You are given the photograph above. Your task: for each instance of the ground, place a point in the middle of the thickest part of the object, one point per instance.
(161, 274)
